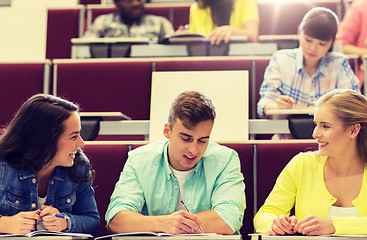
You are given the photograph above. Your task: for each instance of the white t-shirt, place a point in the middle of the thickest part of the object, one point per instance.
(181, 178)
(40, 203)
(343, 212)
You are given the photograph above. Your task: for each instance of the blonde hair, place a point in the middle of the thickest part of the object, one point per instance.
(350, 107)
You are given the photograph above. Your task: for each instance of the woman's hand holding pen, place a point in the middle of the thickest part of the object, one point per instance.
(181, 222)
(285, 102)
(283, 225)
(21, 223)
(52, 219)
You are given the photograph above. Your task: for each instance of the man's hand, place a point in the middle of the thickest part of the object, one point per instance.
(180, 222)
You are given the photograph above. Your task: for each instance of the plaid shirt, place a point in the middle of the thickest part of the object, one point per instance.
(110, 25)
(286, 70)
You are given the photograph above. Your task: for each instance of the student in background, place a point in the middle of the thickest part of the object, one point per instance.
(130, 21)
(45, 180)
(328, 188)
(352, 32)
(221, 19)
(296, 78)
(157, 177)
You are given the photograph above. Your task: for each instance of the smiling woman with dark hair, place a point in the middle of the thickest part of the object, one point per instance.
(44, 173)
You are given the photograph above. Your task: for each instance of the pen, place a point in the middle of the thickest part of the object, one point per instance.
(60, 216)
(183, 204)
(279, 90)
(186, 27)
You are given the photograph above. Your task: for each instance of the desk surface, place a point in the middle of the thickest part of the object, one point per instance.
(113, 40)
(307, 111)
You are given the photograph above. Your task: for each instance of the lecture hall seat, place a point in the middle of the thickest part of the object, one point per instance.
(19, 81)
(107, 161)
(106, 85)
(181, 15)
(62, 26)
(271, 159)
(246, 155)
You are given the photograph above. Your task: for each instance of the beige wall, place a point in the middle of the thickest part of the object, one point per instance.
(23, 29)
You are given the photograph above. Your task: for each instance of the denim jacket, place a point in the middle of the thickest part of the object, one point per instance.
(18, 193)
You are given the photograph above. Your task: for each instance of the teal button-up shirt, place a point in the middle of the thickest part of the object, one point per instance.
(147, 184)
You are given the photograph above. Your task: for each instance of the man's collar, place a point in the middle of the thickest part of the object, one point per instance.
(168, 167)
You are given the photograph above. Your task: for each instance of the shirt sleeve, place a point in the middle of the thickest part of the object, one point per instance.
(281, 199)
(228, 198)
(268, 92)
(249, 11)
(349, 29)
(96, 30)
(84, 217)
(350, 225)
(166, 29)
(346, 77)
(127, 195)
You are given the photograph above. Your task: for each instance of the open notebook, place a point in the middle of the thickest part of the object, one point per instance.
(49, 233)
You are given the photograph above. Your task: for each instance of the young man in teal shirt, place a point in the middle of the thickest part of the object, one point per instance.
(158, 176)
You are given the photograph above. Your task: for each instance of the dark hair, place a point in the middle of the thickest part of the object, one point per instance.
(30, 140)
(350, 107)
(320, 23)
(221, 10)
(191, 108)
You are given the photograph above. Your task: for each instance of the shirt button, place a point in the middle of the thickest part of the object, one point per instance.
(34, 180)
(52, 182)
(175, 187)
(68, 201)
(33, 205)
(17, 202)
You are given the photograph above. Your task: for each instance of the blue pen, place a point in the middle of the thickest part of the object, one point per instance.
(183, 204)
(60, 216)
(279, 90)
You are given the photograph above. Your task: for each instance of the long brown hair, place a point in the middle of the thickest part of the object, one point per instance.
(221, 10)
(30, 140)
